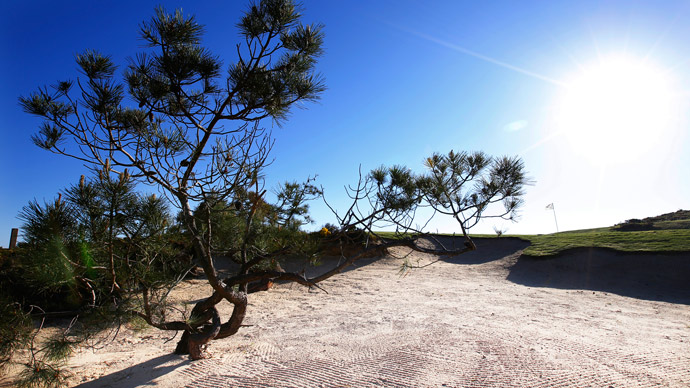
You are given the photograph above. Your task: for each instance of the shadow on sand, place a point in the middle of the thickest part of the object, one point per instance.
(488, 249)
(648, 276)
(226, 267)
(141, 374)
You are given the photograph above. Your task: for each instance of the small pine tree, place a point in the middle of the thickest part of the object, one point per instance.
(95, 235)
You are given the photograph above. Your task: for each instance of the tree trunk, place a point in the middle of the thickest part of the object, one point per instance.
(192, 343)
(235, 322)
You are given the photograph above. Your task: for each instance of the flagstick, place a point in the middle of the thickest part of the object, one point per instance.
(554, 216)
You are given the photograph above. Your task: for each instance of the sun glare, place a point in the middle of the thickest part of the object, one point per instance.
(616, 109)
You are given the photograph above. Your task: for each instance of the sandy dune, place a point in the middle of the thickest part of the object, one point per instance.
(487, 319)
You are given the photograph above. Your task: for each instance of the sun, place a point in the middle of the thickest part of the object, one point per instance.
(616, 109)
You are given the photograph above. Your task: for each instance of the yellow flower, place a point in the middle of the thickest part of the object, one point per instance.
(325, 232)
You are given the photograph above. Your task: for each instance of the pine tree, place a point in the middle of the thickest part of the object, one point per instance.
(193, 131)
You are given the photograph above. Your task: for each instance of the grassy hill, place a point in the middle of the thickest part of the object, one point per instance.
(664, 233)
(676, 220)
(663, 240)
(680, 215)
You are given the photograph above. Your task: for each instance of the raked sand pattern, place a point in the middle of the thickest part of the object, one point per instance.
(462, 322)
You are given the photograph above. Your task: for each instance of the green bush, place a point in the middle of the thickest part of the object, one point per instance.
(87, 253)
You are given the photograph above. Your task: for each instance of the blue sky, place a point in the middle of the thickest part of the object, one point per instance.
(408, 78)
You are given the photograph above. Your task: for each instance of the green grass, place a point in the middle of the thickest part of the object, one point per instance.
(675, 224)
(664, 240)
(388, 235)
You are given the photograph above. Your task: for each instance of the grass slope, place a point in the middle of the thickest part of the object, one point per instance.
(664, 240)
(665, 233)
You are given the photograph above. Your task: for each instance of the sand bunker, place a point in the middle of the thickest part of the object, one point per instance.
(487, 319)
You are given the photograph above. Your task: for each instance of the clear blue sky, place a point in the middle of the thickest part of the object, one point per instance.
(408, 78)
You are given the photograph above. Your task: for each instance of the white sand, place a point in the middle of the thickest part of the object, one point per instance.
(471, 321)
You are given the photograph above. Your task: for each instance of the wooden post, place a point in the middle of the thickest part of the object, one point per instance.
(13, 238)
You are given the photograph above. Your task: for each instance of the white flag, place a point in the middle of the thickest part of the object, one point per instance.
(549, 206)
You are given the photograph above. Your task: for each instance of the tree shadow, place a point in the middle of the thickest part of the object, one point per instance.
(649, 276)
(325, 264)
(226, 267)
(488, 249)
(141, 374)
